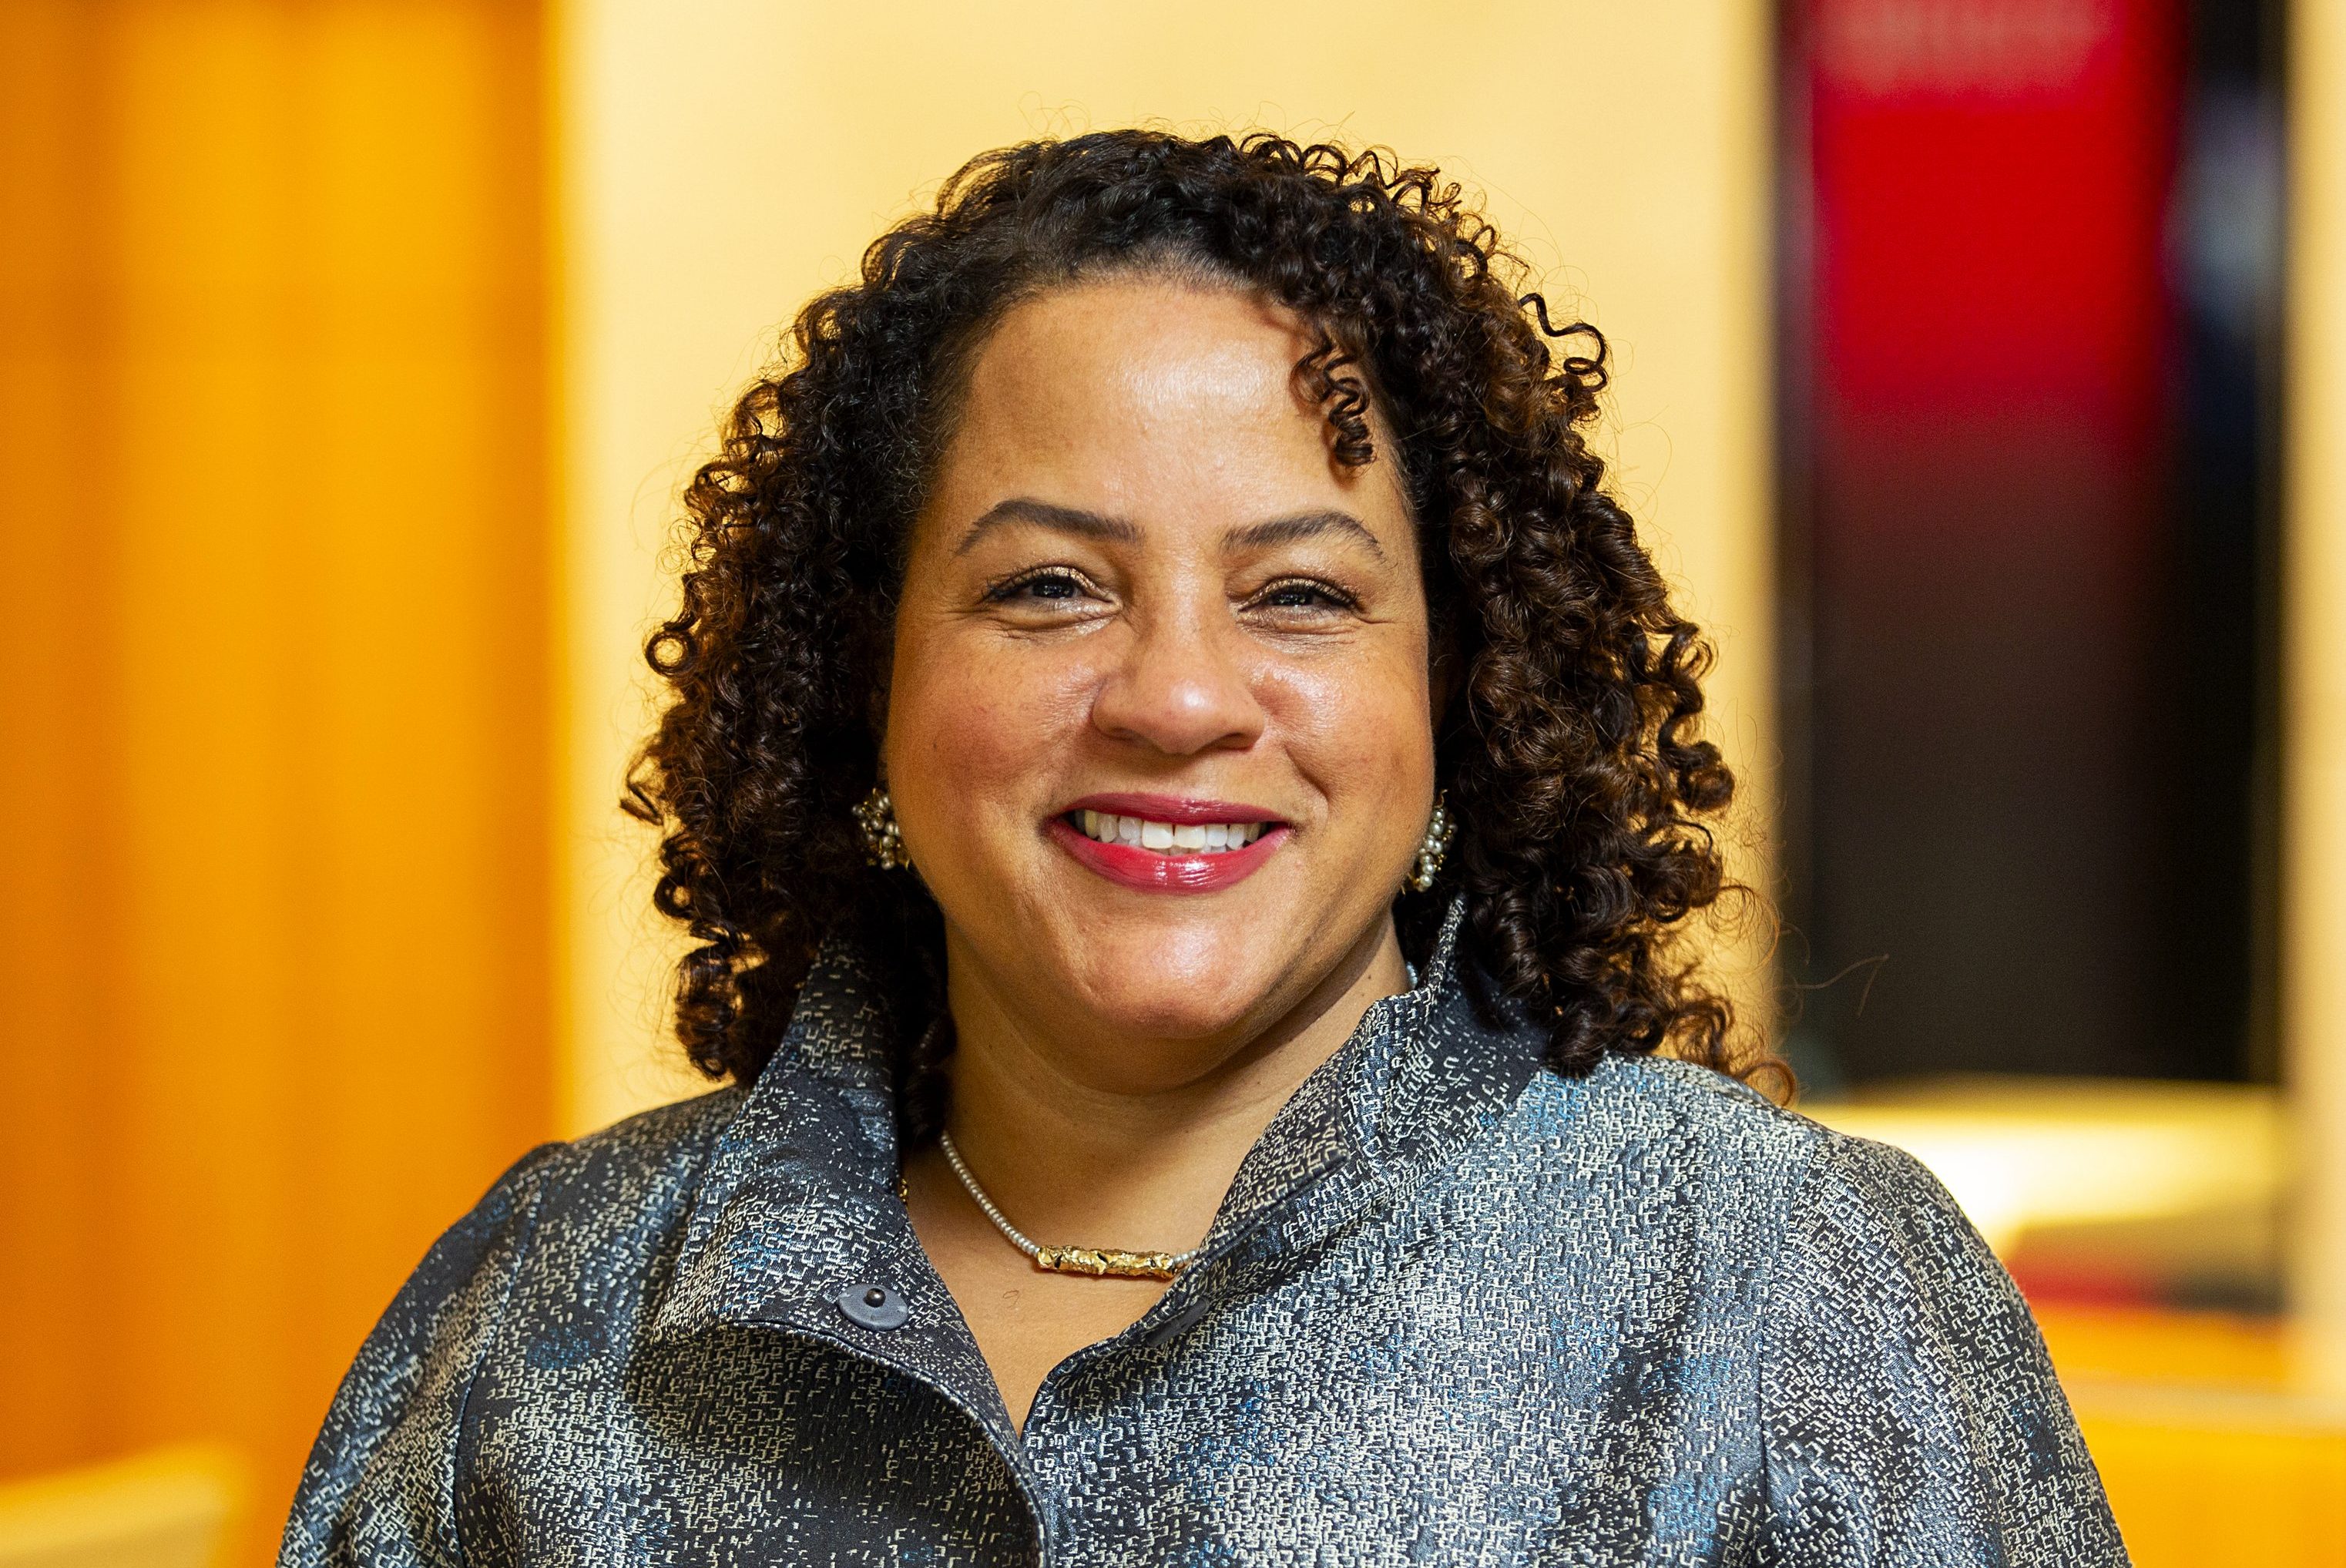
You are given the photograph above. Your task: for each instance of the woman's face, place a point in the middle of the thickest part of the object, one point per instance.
(1157, 730)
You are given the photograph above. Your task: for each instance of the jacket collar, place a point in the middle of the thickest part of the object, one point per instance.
(798, 1202)
(1420, 1075)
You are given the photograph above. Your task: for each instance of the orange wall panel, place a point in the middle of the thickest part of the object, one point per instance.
(56, 1005)
(273, 555)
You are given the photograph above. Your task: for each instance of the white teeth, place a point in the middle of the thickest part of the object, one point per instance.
(1191, 838)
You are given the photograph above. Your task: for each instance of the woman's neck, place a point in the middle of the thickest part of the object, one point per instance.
(1084, 1137)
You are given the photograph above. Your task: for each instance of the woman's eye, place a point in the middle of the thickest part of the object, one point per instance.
(1304, 595)
(1039, 586)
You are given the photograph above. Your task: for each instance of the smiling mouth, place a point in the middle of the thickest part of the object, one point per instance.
(1165, 838)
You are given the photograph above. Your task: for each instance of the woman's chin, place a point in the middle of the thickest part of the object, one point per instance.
(1137, 1003)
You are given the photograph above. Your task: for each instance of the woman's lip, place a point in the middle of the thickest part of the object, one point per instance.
(1148, 870)
(1176, 810)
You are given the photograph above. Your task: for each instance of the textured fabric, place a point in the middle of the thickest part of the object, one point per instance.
(1455, 1308)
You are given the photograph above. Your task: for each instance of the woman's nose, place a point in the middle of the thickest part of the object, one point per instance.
(1181, 687)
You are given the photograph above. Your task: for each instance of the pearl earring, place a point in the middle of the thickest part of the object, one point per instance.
(884, 846)
(1434, 846)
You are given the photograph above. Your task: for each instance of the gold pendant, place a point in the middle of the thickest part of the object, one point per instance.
(1108, 1263)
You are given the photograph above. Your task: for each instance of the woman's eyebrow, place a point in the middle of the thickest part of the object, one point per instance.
(1061, 519)
(1096, 525)
(1301, 525)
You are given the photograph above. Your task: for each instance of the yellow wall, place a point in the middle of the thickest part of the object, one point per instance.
(273, 974)
(723, 160)
(2212, 1453)
(2314, 821)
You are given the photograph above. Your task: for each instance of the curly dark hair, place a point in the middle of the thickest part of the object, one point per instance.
(1569, 750)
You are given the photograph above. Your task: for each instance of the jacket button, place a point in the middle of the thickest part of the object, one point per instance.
(873, 1306)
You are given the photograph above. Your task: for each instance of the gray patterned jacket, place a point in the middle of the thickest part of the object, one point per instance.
(1455, 1308)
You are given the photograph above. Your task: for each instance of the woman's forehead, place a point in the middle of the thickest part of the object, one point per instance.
(1127, 393)
(1141, 349)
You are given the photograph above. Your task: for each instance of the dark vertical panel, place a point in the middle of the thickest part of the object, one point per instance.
(2024, 485)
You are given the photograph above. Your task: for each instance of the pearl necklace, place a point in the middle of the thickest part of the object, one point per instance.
(1101, 1262)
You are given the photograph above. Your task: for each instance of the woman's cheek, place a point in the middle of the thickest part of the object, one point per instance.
(1362, 732)
(987, 732)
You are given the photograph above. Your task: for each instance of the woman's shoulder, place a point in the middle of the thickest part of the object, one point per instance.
(1637, 1101)
(1675, 1168)
(641, 1168)
(1648, 1120)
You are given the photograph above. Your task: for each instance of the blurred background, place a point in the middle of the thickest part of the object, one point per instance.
(1981, 378)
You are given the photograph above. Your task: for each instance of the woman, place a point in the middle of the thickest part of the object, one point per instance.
(1186, 790)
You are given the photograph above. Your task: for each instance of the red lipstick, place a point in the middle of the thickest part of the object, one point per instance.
(1156, 872)
(1174, 808)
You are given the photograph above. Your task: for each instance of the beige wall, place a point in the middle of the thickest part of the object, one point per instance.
(723, 159)
(2313, 817)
